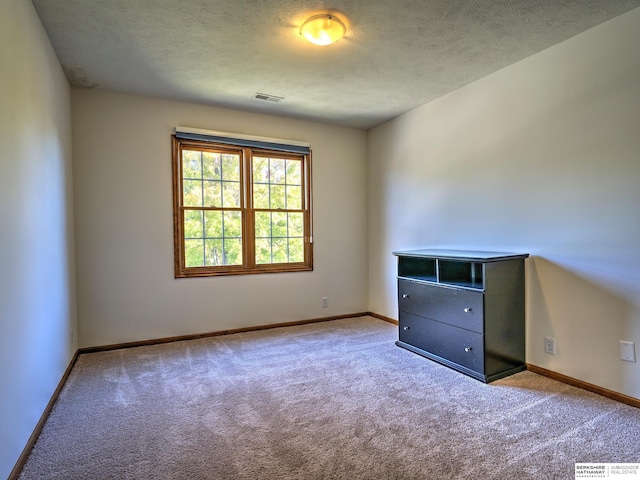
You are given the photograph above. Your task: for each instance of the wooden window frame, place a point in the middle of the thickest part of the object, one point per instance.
(249, 265)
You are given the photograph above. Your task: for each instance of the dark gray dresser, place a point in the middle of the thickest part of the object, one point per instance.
(464, 309)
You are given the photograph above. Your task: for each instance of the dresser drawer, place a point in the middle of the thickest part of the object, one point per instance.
(455, 306)
(455, 344)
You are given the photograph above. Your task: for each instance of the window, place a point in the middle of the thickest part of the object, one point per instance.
(240, 208)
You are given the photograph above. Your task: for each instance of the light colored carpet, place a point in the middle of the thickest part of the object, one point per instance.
(333, 400)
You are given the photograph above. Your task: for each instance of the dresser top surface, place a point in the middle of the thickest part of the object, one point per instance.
(463, 255)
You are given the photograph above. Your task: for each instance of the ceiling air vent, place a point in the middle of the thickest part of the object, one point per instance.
(268, 98)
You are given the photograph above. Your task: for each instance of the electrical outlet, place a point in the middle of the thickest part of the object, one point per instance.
(550, 345)
(627, 351)
(325, 302)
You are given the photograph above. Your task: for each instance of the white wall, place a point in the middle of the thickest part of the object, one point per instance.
(124, 229)
(37, 304)
(542, 157)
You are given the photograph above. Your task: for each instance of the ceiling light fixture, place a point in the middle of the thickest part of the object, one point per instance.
(323, 29)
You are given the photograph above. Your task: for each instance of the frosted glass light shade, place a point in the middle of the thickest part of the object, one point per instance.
(323, 29)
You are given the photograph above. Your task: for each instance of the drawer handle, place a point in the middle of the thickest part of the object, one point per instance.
(468, 349)
(405, 295)
(406, 328)
(468, 310)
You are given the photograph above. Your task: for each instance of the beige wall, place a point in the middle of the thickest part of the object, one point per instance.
(542, 157)
(37, 304)
(124, 230)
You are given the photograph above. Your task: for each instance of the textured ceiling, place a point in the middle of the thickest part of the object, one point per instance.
(397, 54)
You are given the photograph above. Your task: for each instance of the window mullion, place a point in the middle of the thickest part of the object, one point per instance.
(204, 236)
(249, 213)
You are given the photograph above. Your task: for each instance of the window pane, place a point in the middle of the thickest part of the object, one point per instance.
(278, 199)
(193, 224)
(260, 195)
(213, 224)
(263, 250)
(277, 171)
(212, 194)
(296, 250)
(214, 253)
(279, 224)
(193, 253)
(231, 167)
(263, 224)
(294, 172)
(231, 194)
(232, 224)
(211, 169)
(233, 251)
(191, 164)
(280, 254)
(192, 193)
(294, 198)
(296, 224)
(260, 170)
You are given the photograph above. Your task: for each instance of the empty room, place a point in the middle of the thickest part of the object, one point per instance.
(297, 240)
